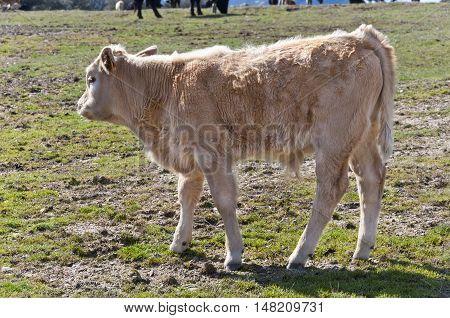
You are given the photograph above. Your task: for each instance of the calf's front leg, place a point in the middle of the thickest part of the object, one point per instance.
(190, 187)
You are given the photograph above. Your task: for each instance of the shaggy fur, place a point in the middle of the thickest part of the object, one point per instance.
(199, 112)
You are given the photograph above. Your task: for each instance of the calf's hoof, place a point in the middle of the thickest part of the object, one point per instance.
(360, 254)
(293, 266)
(179, 248)
(229, 267)
(297, 260)
(363, 251)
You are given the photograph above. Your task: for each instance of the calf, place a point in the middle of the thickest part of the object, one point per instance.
(199, 112)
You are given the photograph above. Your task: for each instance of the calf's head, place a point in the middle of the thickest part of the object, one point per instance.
(103, 99)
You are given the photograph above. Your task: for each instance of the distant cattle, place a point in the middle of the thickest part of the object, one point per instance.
(196, 4)
(362, 1)
(10, 5)
(120, 5)
(199, 112)
(286, 2)
(309, 2)
(153, 4)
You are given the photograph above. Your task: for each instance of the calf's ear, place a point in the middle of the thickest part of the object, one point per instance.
(152, 50)
(107, 63)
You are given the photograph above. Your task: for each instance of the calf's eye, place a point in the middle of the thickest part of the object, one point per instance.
(91, 79)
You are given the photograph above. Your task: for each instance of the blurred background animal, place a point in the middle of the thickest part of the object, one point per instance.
(153, 4)
(198, 4)
(10, 5)
(120, 6)
(175, 3)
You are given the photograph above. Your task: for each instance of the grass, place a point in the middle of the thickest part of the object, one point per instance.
(78, 194)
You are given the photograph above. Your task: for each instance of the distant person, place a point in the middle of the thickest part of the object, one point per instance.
(138, 8)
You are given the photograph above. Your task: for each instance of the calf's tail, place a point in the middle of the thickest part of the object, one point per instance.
(385, 104)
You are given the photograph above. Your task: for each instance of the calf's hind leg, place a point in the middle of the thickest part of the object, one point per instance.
(332, 182)
(190, 187)
(370, 172)
(222, 185)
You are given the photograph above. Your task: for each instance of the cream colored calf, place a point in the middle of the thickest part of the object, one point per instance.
(199, 112)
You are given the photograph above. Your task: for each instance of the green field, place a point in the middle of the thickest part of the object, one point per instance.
(82, 213)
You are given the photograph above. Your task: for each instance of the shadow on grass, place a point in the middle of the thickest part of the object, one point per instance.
(412, 281)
